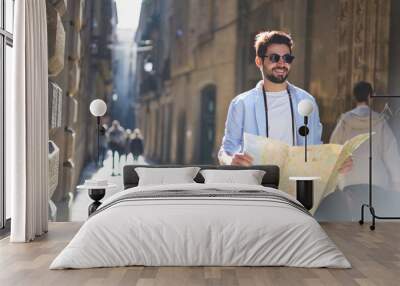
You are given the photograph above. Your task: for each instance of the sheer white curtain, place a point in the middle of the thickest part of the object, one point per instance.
(27, 123)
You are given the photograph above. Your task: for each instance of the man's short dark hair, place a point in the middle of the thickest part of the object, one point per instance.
(264, 39)
(362, 90)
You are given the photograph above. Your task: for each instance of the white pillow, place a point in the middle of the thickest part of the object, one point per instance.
(248, 177)
(162, 176)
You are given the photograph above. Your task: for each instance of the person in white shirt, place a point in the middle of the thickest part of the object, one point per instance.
(269, 109)
(386, 158)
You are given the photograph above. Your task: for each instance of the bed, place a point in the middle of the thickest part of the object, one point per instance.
(201, 224)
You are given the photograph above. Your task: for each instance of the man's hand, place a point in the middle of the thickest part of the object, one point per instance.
(347, 166)
(242, 159)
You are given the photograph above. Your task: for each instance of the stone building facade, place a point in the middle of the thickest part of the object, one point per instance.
(79, 33)
(206, 47)
(179, 105)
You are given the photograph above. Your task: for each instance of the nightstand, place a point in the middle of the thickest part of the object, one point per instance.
(305, 190)
(96, 193)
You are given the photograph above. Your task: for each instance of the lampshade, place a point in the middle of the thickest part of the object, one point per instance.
(305, 107)
(98, 107)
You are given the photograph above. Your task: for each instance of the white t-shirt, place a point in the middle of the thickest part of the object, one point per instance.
(279, 117)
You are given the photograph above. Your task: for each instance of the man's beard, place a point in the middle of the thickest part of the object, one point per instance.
(274, 79)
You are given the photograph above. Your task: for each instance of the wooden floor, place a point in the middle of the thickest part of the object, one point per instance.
(375, 257)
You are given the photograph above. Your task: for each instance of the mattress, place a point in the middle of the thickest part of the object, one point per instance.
(201, 225)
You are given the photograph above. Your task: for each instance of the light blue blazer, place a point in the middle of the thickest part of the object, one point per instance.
(247, 114)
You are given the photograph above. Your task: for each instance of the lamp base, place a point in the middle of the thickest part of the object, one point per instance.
(96, 195)
(305, 193)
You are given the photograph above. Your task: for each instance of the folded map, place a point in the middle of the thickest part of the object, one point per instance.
(323, 161)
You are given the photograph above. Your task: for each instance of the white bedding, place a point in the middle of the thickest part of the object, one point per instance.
(200, 231)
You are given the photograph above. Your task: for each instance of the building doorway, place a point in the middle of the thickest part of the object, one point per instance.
(207, 125)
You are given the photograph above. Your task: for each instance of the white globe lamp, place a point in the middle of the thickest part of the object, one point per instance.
(305, 107)
(98, 107)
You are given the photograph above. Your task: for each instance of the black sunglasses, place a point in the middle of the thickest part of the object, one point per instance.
(274, 58)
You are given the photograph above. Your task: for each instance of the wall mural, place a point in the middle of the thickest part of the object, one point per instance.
(170, 85)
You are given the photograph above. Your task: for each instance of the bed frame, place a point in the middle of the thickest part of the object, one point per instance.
(270, 179)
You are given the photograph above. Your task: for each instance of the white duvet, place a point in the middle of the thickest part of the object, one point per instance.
(200, 231)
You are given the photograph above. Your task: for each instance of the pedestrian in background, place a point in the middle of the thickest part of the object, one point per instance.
(385, 153)
(136, 144)
(116, 137)
(128, 139)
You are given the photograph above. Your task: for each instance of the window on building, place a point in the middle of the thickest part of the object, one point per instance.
(6, 45)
